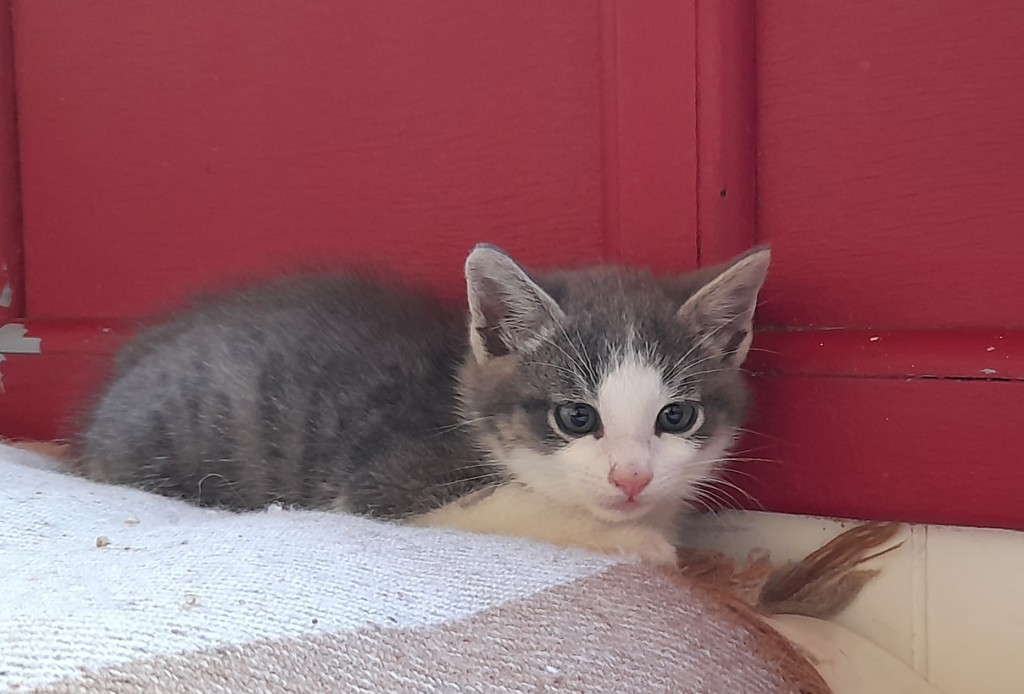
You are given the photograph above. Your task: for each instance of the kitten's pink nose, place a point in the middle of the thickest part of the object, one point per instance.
(631, 482)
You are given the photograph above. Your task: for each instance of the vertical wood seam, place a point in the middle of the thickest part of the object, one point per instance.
(698, 132)
(726, 102)
(12, 259)
(610, 130)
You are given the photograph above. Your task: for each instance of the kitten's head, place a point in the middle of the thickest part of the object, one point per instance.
(607, 388)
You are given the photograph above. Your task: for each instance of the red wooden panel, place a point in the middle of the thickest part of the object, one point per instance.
(938, 451)
(45, 394)
(191, 142)
(175, 144)
(890, 150)
(726, 126)
(651, 170)
(11, 294)
(979, 354)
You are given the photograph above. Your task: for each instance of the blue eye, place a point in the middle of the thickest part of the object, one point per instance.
(679, 417)
(577, 418)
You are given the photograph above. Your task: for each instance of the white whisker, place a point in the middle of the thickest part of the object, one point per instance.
(491, 475)
(730, 485)
(460, 425)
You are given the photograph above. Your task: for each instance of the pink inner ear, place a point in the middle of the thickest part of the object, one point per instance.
(723, 309)
(494, 311)
(735, 341)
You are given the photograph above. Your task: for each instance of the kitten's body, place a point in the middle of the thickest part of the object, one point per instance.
(323, 393)
(343, 394)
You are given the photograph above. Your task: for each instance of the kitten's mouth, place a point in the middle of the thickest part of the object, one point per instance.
(630, 506)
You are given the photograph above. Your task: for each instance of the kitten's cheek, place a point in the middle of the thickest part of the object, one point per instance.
(584, 465)
(679, 467)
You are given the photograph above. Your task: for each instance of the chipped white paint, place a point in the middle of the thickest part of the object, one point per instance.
(14, 339)
(989, 372)
(6, 296)
(875, 338)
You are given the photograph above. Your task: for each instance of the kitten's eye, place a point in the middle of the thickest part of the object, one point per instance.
(678, 417)
(577, 418)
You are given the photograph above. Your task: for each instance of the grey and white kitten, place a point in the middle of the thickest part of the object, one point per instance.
(583, 408)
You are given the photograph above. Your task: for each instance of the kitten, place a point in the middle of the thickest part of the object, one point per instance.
(582, 408)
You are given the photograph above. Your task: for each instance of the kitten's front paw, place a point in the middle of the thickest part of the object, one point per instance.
(659, 552)
(649, 546)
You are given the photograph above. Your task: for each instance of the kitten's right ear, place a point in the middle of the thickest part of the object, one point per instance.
(508, 311)
(722, 310)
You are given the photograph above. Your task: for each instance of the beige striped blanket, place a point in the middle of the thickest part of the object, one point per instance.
(109, 589)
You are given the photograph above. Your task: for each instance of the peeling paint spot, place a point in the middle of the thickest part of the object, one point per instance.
(989, 372)
(991, 349)
(14, 340)
(6, 296)
(874, 338)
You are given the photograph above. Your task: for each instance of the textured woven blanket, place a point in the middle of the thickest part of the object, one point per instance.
(108, 589)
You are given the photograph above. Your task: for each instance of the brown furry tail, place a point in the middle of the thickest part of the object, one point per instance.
(820, 585)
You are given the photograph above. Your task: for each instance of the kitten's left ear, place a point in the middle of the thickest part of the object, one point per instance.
(722, 311)
(508, 311)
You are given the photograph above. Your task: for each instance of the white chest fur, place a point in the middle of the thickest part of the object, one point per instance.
(513, 509)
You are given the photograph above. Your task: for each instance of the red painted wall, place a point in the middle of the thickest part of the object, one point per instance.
(890, 161)
(889, 185)
(171, 146)
(200, 141)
